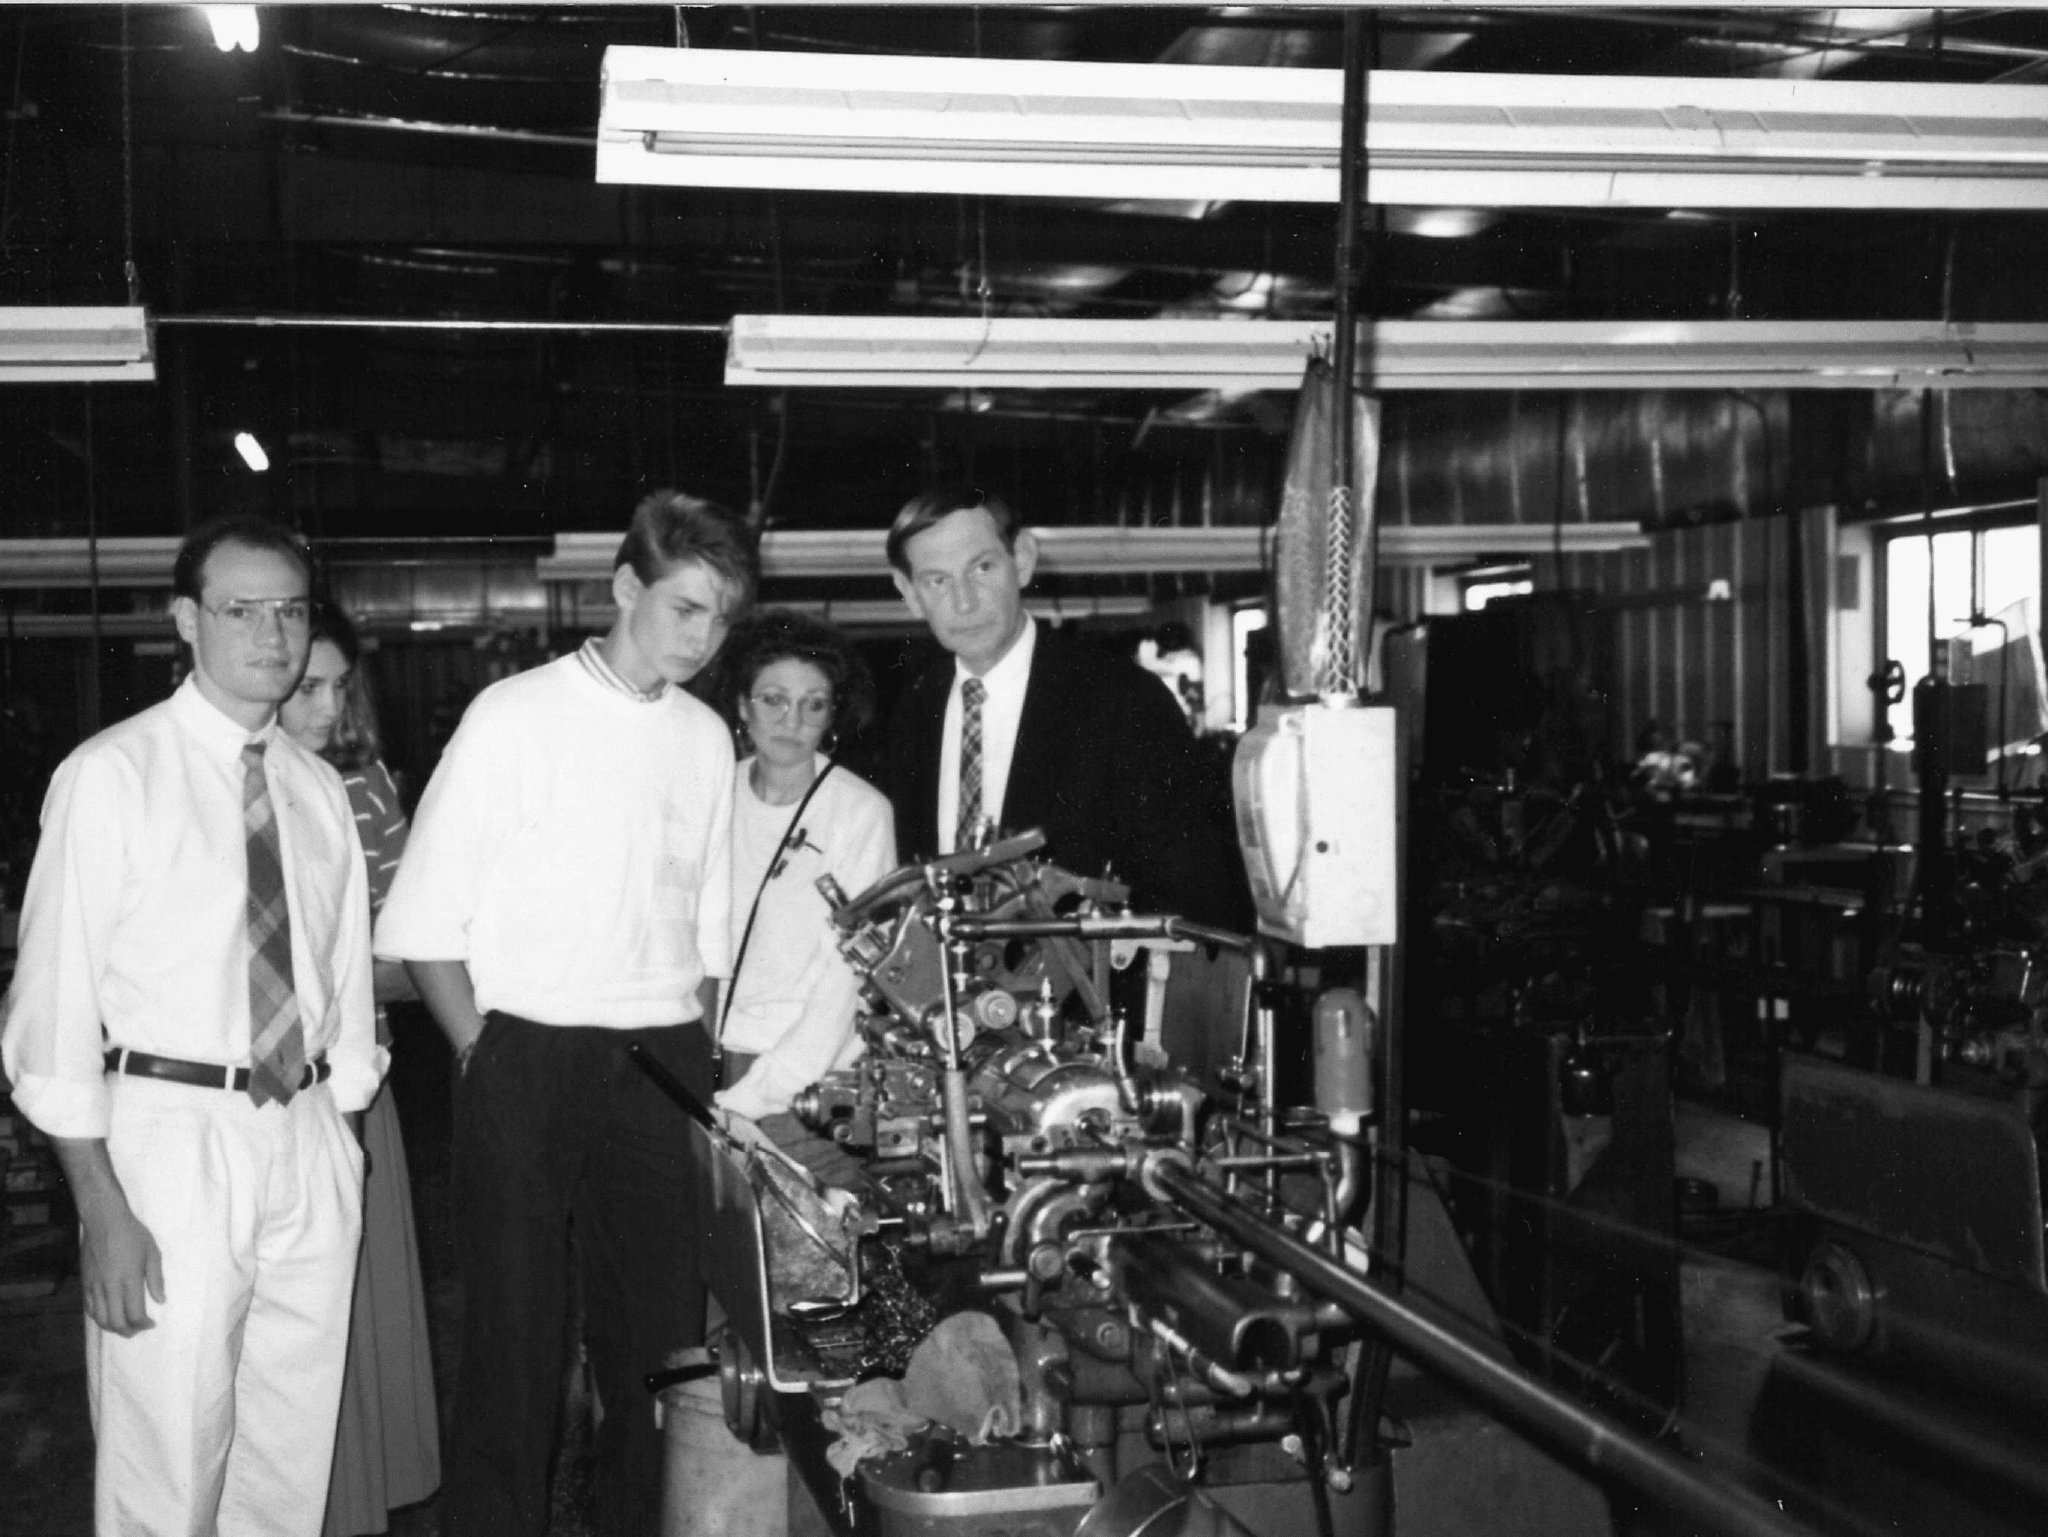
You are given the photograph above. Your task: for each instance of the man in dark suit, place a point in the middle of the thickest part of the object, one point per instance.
(1030, 726)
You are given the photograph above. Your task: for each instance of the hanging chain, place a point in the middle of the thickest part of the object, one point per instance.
(1339, 640)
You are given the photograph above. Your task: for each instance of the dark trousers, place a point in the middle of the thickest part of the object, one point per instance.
(553, 1122)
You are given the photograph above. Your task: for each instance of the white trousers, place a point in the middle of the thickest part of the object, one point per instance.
(220, 1419)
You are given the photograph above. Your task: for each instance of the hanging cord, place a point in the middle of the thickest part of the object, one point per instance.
(13, 123)
(128, 167)
(1337, 650)
(762, 510)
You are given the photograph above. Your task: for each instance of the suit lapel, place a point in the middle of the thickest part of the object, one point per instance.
(1027, 795)
(934, 686)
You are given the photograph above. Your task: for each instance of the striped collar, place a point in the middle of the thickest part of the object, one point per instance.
(591, 655)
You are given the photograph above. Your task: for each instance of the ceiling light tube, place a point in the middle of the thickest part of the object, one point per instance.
(235, 27)
(75, 344)
(1076, 129)
(252, 452)
(944, 352)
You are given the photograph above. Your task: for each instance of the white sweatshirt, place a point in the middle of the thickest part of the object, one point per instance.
(574, 848)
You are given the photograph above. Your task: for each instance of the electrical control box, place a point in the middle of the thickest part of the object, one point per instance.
(1315, 786)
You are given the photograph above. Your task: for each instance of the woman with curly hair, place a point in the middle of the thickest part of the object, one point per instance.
(790, 684)
(387, 1449)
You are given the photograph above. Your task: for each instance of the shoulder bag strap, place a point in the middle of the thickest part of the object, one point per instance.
(732, 985)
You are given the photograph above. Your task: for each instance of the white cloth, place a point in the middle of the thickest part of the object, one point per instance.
(573, 848)
(220, 1419)
(1002, 711)
(795, 998)
(134, 931)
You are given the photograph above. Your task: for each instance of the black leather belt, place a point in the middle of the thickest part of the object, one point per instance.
(203, 1075)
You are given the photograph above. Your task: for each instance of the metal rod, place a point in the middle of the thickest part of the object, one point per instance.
(407, 323)
(1570, 1430)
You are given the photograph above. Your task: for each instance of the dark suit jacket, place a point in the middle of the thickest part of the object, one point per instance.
(1105, 764)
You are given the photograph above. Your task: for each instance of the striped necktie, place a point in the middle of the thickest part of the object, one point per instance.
(277, 1043)
(972, 692)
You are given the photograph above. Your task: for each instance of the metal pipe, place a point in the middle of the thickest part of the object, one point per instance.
(1568, 1429)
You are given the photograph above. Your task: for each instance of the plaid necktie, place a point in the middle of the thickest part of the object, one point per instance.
(972, 692)
(277, 1044)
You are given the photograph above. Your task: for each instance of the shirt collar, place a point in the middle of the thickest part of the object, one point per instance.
(591, 655)
(1012, 671)
(215, 731)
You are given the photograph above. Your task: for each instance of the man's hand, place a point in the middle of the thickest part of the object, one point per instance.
(119, 1263)
(445, 988)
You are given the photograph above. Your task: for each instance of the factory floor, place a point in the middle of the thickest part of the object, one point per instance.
(1731, 1312)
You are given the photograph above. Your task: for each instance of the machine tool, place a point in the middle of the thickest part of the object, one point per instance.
(1177, 1265)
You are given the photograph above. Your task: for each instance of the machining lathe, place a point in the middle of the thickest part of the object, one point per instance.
(1194, 1335)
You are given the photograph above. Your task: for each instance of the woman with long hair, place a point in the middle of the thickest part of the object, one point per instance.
(387, 1445)
(790, 685)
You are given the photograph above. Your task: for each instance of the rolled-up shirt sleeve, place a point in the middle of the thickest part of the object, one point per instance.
(440, 880)
(52, 1046)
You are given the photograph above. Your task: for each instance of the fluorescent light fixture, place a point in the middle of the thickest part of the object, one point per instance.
(1099, 551)
(75, 344)
(704, 117)
(234, 27)
(252, 452)
(944, 352)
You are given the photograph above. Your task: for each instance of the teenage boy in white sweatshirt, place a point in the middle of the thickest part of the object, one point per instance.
(565, 895)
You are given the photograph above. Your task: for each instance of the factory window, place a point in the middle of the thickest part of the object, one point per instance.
(1984, 587)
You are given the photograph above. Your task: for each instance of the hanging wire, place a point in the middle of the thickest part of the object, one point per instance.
(128, 167)
(13, 123)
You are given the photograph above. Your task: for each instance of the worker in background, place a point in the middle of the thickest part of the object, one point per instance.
(565, 896)
(1025, 725)
(191, 1019)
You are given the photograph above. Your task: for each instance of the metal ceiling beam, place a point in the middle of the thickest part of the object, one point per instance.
(830, 351)
(1066, 129)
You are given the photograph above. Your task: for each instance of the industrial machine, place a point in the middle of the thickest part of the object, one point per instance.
(1194, 1332)
(1914, 1171)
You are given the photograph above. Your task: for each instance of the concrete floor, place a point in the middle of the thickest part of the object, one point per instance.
(1731, 1313)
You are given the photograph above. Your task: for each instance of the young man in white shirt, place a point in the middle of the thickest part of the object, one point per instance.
(191, 1019)
(565, 895)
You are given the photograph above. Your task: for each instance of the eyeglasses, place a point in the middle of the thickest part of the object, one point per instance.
(247, 613)
(812, 707)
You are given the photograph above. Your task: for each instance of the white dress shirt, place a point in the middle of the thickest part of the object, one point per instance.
(794, 998)
(1002, 710)
(135, 929)
(574, 849)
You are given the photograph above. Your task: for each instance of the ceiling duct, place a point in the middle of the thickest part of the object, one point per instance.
(1082, 551)
(1066, 129)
